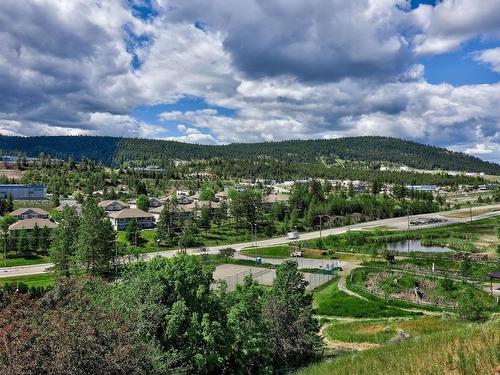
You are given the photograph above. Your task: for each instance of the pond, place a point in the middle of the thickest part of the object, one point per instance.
(416, 245)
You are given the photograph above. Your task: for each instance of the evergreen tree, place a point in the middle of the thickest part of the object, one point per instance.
(23, 242)
(45, 239)
(350, 190)
(221, 212)
(35, 238)
(251, 342)
(293, 331)
(10, 204)
(142, 202)
(167, 223)
(64, 242)
(188, 237)
(205, 218)
(96, 239)
(133, 233)
(55, 200)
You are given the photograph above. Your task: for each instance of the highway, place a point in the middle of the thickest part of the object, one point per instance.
(399, 223)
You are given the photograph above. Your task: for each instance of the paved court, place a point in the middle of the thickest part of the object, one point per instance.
(234, 274)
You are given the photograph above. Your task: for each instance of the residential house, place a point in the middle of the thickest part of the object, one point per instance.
(183, 200)
(121, 219)
(30, 213)
(29, 224)
(113, 205)
(69, 204)
(271, 199)
(153, 202)
(221, 196)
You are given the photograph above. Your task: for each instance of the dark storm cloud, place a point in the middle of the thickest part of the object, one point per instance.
(315, 40)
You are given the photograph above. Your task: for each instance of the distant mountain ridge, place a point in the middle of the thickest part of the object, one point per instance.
(115, 151)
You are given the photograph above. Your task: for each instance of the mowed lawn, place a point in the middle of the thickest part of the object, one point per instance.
(330, 301)
(14, 261)
(43, 279)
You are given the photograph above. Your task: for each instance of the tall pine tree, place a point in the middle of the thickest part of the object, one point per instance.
(96, 239)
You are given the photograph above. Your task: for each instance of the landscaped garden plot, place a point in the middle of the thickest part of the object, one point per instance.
(418, 289)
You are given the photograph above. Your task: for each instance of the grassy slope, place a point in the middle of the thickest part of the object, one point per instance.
(328, 300)
(465, 351)
(380, 331)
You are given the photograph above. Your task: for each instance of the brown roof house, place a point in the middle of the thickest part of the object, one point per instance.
(70, 204)
(120, 219)
(30, 213)
(29, 224)
(113, 205)
(271, 199)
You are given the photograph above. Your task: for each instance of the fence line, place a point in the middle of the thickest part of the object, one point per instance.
(265, 276)
(418, 302)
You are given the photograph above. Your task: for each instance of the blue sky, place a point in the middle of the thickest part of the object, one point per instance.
(224, 71)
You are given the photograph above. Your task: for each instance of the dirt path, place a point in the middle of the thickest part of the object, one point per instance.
(339, 345)
(425, 312)
(342, 287)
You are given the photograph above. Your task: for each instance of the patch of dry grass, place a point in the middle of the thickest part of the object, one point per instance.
(473, 350)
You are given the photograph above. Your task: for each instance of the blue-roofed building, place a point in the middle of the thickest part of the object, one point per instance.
(24, 192)
(431, 188)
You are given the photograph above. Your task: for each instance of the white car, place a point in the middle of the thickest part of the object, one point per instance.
(293, 236)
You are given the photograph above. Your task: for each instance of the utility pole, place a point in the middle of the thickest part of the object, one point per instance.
(116, 259)
(320, 224)
(470, 212)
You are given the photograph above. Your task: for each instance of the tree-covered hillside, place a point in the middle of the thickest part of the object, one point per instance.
(116, 151)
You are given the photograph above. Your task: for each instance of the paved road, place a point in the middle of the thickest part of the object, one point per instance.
(400, 223)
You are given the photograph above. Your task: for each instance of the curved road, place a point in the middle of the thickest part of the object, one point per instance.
(399, 223)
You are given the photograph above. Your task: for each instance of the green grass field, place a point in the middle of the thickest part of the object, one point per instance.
(14, 261)
(472, 350)
(44, 279)
(328, 300)
(269, 252)
(223, 235)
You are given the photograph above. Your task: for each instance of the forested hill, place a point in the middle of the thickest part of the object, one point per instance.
(115, 151)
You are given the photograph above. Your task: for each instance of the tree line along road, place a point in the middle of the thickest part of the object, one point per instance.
(399, 223)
